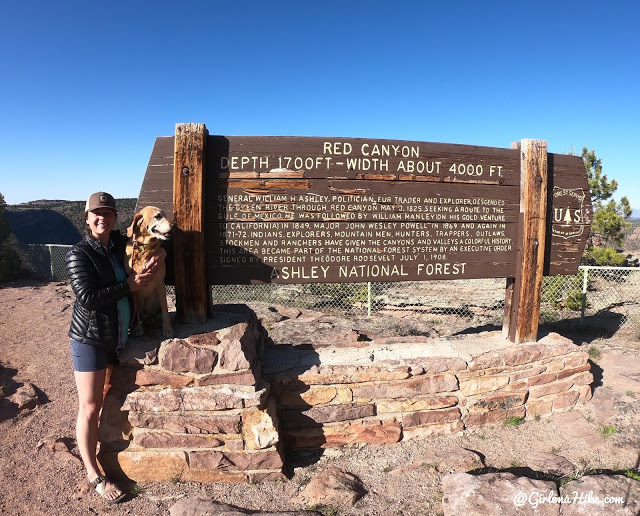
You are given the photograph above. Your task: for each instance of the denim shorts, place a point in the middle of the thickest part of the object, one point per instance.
(88, 358)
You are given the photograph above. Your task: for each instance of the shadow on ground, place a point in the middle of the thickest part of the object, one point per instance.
(8, 387)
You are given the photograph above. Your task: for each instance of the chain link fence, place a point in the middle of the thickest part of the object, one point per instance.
(45, 261)
(479, 301)
(601, 297)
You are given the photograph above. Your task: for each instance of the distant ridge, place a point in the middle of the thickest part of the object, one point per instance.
(58, 221)
(42, 201)
(42, 226)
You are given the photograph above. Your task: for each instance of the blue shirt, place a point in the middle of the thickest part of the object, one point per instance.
(124, 310)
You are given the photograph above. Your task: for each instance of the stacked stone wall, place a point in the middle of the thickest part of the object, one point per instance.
(215, 404)
(380, 403)
(193, 409)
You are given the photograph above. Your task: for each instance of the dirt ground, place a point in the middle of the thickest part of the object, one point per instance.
(41, 474)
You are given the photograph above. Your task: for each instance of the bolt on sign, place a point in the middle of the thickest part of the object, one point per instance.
(314, 209)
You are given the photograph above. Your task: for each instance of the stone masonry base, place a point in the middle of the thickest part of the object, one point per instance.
(216, 404)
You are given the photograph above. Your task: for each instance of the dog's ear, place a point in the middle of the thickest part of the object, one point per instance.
(136, 222)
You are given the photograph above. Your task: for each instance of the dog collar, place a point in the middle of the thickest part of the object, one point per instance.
(142, 247)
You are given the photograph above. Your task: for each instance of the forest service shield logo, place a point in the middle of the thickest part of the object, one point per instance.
(568, 219)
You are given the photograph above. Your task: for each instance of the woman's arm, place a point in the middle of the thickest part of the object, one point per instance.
(139, 280)
(84, 282)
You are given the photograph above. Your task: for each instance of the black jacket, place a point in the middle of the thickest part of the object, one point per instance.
(93, 280)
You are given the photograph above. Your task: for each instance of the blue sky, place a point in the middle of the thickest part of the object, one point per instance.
(87, 86)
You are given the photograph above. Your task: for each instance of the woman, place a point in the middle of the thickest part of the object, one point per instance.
(100, 322)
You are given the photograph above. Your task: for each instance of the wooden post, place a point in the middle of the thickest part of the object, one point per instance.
(192, 301)
(508, 293)
(508, 301)
(522, 299)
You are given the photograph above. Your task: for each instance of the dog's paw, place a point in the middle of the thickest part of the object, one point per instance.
(168, 333)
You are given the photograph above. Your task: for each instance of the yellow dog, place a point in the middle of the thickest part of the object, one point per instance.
(148, 228)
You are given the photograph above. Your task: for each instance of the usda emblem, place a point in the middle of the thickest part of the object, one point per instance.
(568, 212)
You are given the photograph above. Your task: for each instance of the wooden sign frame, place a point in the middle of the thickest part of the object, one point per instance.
(537, 202)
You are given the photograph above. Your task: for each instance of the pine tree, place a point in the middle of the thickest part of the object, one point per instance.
(10, 262)
(609, 218)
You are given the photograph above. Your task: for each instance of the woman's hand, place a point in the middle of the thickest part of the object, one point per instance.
(155, 260)
(138, 280)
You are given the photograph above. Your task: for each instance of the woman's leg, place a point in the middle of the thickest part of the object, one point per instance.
(107, 380)
(90, 387)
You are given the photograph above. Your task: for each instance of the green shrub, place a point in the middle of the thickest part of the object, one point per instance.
(574, 300)
(604, 257)
(513, 421)
(10, 261)
(562, 293)
(594, 353)
(607, 431)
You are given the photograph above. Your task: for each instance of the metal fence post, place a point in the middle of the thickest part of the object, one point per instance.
(50, 261)
(368, 299)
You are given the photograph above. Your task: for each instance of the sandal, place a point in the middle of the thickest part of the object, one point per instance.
(100, 485)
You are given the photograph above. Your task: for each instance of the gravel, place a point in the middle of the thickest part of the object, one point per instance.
(40, 472)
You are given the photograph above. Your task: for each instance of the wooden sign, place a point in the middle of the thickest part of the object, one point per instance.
(299, 210)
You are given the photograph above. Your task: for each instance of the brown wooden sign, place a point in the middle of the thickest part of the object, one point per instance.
(298, 210)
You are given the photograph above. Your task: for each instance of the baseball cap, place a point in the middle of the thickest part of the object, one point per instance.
(100, 200)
